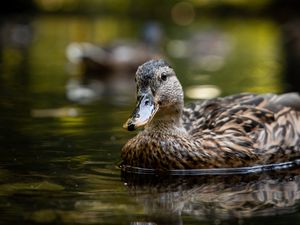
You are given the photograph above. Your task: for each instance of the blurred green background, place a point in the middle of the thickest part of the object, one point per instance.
(236, 45)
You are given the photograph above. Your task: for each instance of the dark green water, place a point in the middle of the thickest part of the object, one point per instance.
(59, 158)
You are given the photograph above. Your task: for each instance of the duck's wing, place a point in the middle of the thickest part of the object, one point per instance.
(268, 124)
(264, 109)
(198, 115)
(284, 131)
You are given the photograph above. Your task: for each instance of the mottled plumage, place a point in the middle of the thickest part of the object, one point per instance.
(240, 130)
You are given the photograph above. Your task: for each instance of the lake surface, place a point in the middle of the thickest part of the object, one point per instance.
(60, 154)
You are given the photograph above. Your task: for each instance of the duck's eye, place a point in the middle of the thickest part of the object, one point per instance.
(164, 76)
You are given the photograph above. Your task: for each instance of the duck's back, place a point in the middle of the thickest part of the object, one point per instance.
(271, 122)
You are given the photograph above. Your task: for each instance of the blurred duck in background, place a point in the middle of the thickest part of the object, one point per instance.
(98, 71)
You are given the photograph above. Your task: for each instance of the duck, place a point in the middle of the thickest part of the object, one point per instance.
(118, 56)
(240, 130)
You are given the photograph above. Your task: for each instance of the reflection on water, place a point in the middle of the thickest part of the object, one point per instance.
(215, 198)
(59, 156)
(203, 92)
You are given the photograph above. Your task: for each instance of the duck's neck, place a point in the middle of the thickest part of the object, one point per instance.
(167, 120)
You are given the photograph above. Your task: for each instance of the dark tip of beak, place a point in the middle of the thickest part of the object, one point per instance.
(130, 127)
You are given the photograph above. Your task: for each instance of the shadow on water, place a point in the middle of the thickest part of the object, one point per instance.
(171, 199)
(215, 171)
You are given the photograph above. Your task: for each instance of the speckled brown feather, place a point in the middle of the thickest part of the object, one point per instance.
(235, 131)
(261, 123)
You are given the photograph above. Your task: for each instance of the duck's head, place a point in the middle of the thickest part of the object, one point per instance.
(159, 94)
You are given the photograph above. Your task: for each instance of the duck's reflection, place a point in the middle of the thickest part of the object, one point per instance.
(215, 198)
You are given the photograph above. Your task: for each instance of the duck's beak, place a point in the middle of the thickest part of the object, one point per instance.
(143, 113)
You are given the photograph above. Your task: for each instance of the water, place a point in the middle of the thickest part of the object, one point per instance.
(59, 156)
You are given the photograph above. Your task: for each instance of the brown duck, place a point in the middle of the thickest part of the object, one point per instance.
(234, 131)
